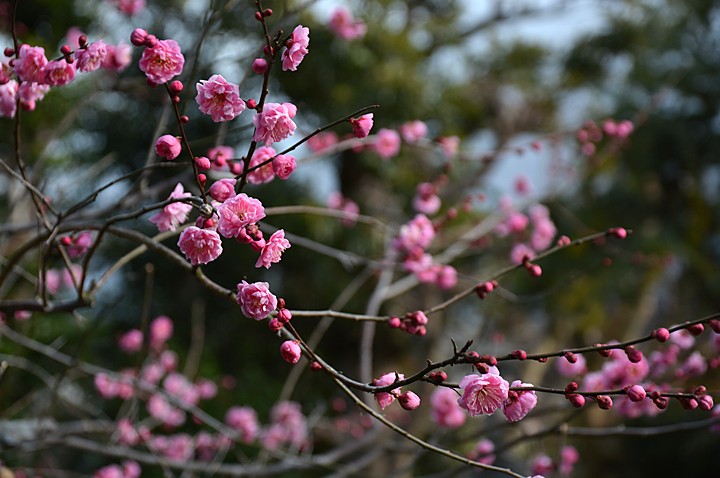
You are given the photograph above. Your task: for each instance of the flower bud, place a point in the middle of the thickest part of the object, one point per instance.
(290, 351)
(259, 66)
(635, 393)
(604, 402)
(661, 335)
(696, 329)
(409, 400)
(633, 354)
(138, 37)
(576, 400)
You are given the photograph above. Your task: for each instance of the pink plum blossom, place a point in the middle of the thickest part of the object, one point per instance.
(179, 447)
(131, 341)
(223, 189)
(284, 165)
(570, 369)
(220, 155)
(445, 409)
(345, 26)
(30, 62)
(348, 206)
(129, 7)
(413, 131)
(179, 386)
(296, 48)
(161, 329)
(92, 57)
(131, 469)
(521, 252)
(159, 408)
(168, 146)
(200, 246)
(174, 213)
(30, 93)
(110, 471)
(57, 73)
(237, 212)
(256, 300)
(387, 143)
(8, 99)
(519, 403)
(219, 99)
(426, 200)
(243, 420)
(118, 57)
(264, 174)
(450, 145)
(362, 125)
(289, 426)
(446, 277)
(483, 394)
(386, 398)
(290, 351)
(322, 141)
(483, 452)
(162, 62)
(273, 250)
(419, 232)
(274, 123)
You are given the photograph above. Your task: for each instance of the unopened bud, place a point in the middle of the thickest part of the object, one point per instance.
(409, 400)
(661, 335)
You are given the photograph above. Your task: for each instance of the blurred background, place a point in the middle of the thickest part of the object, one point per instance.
(516, 82)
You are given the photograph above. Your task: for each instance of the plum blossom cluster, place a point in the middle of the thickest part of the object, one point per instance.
(161, 60)
(484, 394)
(28, 76)
(345, 26)
(408, 400)
(532, 232)
(412, 241)
(590, 135)
(412, 323)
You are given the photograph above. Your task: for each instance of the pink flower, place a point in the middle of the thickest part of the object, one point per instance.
(131, 469)
(159, 408)
(274, 123)
(445, 409)
(569, 456)
(483, 394)
(220, 155)
(219, 99)
(180, 447)
(284, 165)
(290, 351)
(129, 7)
(57, 73)
(345, 26)
(446, 277)
(272, 251)
(244, 421)
(131, 341)
(92, 57)
(161, 329)
(256, 300)
(426, 201)
(413, 131)
(387, 143)
(237, 212)
(362, 125)
(168, 146)
(450, 145)
(386, 398)
(223, 189)
(266, 173)
(110, 471)
(409, 400)
(289, 426)
(519, 403)
(200, 246)
(30, 62)
(179, 386)
(521, 252)
(348, 206)
(297, 48)
(118, 57)
(162, 62)
(483, 452)
(128, 435)
(322, 141)
(568, 369)
(173, 214)
(419, 232)
(8, 99)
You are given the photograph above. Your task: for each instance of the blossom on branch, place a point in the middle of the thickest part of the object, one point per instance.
(519, 403)
(297, 48)
(219, 98)
(256, 300)
(483, 394)
(162, 62)
(273, 249)
(237, 212)
(173, 214)
(274, 123)
(200, 246)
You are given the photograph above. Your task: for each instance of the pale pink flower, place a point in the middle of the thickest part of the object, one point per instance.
(322, 141)
(30, 93)
(289, 426)
(57, 73)
(180, 387)
(450, 145)
(274, 123)
(161, 329)
(348, 206)
(519, 403)
(129, 7)
(413, 131)
(544, 232)
(387, 143)
(109, 471)
(520, 253)
(695, 365)
(345, 26)
(290, 351)
(131, 341)
(131, 469)
(127, 434)
(162, 62)
(200, 246)
(180, 447)
(264, 174)
(445, 409)
(256, 300)
(30, 62)
(568, 369)
(220, 155)
(168, 146)
(219, 98)
(173, 214)
(446, 277)
(483, 394)
(483, 452)
(8, 99)
(386, 398)
(79, 244)
(106, 386)
(92, 57)
(223, 189)
(426, 201)
(273, 250)
(542, 465)
(419, 232)
(118, 57)
(362, 125)
(206, 388)
(169, 360)
(159, 408)
(243, 420)
(296, 48)
(237, 212)
(284, 165)
(569, 456)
